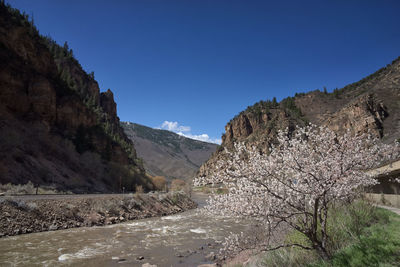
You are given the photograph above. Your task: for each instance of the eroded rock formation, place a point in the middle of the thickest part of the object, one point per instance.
(370, 105)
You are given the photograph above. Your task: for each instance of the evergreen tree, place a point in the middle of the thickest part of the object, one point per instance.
(274, 102)
(336, 92)
(66, 47)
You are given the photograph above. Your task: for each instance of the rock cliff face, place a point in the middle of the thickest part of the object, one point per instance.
(363, 115)
(108, 104)
(56, 129)
(372, 104)
(255, 126)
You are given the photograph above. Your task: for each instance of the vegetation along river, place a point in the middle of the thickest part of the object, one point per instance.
(184, 239)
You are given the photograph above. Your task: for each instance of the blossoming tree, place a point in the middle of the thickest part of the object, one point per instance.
(297, 182)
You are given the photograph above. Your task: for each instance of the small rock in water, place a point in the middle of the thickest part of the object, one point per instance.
(121, 260)
(211, 256)
(190, 252)
(140, 258)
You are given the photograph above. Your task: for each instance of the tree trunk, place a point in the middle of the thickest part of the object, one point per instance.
(322, 251)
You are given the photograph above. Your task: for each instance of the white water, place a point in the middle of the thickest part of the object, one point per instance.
(178, 240)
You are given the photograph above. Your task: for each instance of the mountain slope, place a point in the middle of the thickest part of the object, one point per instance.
(166, 153)
(56, 128)
(371, 104)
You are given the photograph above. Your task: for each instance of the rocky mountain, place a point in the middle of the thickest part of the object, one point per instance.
(56, 128)
(166, 153)
(371, 104)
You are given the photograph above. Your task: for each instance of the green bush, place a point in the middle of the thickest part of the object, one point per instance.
(372, 249)
(360, 235)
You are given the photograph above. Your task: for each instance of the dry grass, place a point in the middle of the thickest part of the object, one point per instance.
(28, 189)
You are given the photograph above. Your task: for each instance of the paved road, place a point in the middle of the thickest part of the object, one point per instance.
(395, 210)
(36, 197)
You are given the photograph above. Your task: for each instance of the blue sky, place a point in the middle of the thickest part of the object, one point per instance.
(190, 66)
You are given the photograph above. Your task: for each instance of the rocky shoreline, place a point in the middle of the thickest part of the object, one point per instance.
(20, 216)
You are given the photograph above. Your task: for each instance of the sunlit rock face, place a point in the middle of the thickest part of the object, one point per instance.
(370, 105)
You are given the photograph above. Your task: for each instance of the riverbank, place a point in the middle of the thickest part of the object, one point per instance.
(361, 235)
(189, 238)
(21, 215)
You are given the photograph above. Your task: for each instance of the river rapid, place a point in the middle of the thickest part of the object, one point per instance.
(184, 239)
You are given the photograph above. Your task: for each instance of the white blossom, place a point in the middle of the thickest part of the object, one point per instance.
(297, 181)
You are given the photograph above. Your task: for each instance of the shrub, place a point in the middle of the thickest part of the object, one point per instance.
(19, 189)
(360, 235)
(139, 189)
(159, 182)
(177, 185)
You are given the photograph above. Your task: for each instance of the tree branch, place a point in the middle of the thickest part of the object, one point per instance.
(287, 246)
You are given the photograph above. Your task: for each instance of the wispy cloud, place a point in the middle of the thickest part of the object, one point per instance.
(174, 126)
(202, 137)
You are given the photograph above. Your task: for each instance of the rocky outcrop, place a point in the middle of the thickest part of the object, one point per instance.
(108, 104)
(54, 122)
(364, 115)
(370, 105)
(264, 124)
(255, 127)
(21, 215)
(239, 128)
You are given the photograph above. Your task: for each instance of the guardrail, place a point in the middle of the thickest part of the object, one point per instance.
(384, 199)
(386, 175)
(392, 168)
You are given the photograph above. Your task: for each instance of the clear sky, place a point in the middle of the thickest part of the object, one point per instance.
(192, 65)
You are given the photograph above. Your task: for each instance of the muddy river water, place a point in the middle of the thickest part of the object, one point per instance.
(184, 239)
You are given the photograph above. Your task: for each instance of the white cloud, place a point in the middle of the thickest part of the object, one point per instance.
(173, 126)
(202, 137)
(185, 131)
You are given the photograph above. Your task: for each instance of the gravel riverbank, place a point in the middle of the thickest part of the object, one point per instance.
(21, 215)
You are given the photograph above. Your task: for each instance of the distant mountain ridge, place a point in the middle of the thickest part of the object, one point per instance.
(168, 154)
(371, 104)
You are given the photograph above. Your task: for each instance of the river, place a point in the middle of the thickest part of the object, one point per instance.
(184, 239)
